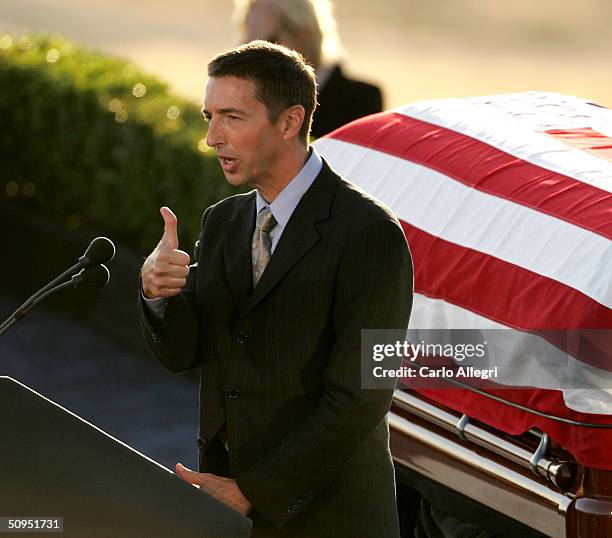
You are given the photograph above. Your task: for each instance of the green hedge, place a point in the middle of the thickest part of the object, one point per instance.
(93, 141)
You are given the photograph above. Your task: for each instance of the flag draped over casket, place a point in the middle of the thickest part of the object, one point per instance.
(506, 202)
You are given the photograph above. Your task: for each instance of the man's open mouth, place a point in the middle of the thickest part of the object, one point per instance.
(228, 164)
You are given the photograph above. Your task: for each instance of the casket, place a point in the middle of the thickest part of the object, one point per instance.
(506, 203)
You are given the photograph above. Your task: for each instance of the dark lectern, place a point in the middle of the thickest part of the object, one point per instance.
(55, 464)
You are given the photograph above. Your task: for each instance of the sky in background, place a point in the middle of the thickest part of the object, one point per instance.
(413, 49)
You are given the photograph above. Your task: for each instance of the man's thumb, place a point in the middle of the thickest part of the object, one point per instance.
(170, 237)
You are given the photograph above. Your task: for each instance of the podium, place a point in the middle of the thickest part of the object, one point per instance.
(53, 464)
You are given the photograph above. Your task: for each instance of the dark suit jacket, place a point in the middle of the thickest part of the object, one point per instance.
(280, 365)
(342, 100)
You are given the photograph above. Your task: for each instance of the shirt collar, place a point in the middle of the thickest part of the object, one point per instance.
(285, 203)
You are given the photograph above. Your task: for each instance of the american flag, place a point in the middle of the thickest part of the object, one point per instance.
(506, 202)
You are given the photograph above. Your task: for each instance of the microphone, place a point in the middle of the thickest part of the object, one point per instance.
(100, 250)
(95, 276)
(92, 274)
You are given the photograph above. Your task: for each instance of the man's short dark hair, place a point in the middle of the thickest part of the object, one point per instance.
(282, 77)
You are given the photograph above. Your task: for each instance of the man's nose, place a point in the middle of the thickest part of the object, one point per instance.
(214, 136)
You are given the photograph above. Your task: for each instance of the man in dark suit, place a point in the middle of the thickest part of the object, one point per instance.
(284, 280)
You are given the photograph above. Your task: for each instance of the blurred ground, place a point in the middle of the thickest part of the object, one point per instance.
(414, 49)
(120, 391)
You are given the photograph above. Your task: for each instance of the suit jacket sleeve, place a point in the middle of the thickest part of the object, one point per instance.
(175, 340)
(373, 290)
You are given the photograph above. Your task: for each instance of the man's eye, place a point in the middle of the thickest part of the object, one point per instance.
(207, 119)
(231, 117)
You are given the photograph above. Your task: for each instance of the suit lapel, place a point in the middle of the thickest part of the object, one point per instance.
(237, 252)
(299, 236)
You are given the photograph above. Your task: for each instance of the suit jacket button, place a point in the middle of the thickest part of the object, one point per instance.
(242, 337)
(233, 394)
(291, 509)
(202, 442)
(155, 338)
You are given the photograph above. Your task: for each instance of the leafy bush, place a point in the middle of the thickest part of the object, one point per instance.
(93, 141)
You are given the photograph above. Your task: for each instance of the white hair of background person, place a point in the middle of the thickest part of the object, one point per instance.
(313, 16)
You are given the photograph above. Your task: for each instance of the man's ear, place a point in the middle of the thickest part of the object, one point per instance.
(291, 122)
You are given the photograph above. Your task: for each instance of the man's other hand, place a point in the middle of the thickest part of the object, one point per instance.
(164, 273)
(223, 489)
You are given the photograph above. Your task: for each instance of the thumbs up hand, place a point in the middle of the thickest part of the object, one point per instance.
(164, 273)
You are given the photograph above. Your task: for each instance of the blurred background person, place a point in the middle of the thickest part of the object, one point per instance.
(309, 27)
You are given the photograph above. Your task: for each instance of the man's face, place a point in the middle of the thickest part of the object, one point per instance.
(240, 130)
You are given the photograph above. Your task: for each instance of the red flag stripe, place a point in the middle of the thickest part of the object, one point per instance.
(484, 167)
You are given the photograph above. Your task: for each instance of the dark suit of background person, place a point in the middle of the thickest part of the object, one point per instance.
(342, 100)
(280, 364)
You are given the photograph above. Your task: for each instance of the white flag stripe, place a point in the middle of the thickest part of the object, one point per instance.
(515, 367)
(446, 208)
(490, 120)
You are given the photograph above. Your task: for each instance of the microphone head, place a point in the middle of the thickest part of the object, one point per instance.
(100, 250)
(96, 276)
